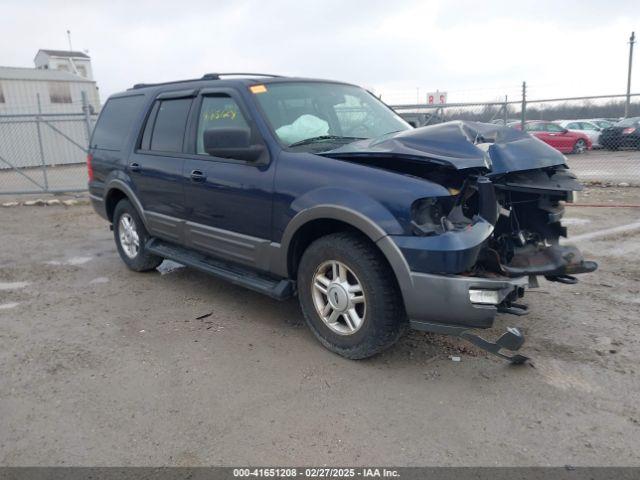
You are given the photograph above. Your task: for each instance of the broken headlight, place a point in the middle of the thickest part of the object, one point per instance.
(429, 215)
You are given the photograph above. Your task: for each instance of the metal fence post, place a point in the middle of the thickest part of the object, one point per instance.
(523, 113)
(505, 110)
(39, 130)
(87, 115)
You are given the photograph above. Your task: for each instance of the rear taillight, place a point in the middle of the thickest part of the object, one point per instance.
(90, 166)
(628, 131)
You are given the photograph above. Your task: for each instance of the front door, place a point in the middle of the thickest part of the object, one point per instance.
(559, 137)
(229, 200)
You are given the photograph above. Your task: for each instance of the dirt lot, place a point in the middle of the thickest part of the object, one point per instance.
(103, 366)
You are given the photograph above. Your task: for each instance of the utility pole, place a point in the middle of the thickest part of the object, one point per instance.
(523, 113)
(505, 112)
(632, 40)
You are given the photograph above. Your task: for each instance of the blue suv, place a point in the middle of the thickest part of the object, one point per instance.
(315, 188)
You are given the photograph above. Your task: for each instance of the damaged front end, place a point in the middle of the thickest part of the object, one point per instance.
(498, 231)
(526, 237)
(520, 216)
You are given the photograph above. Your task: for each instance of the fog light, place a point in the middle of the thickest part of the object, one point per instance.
(487, 297)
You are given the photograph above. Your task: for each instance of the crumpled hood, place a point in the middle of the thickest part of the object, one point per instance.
(460, 145)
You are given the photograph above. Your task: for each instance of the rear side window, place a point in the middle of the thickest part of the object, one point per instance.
(169, 120)
(115, 122)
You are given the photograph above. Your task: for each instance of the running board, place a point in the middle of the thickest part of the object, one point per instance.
(512, 339)
(280, 289)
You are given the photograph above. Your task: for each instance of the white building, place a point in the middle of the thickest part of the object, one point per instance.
(53, 82)
(78, 63)
(42, 120)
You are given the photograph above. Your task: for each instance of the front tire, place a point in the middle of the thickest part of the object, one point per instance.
(349, 296)
(131, 237)
(580, 146)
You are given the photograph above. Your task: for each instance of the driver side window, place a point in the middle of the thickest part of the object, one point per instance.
(552, 127)
(220, 111)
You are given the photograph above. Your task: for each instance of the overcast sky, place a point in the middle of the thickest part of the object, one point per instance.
(474, 50)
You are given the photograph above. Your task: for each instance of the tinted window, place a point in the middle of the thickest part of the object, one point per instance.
(115, 122)
(168, 130)
(218, 112)
(588, 126)
(574, 126)
(145, 144)
(533, 127)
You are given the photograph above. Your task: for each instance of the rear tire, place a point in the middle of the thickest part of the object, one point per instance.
(131, 237)
(349, 296)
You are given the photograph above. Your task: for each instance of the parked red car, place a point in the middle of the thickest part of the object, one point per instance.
(558, 137)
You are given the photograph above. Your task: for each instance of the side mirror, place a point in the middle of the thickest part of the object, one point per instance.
(231, 142)
(565, 131)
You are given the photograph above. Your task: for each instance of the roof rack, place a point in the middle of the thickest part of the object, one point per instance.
(216, 76)
(206, 76)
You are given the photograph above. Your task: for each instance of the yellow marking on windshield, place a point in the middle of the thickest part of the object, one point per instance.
(219, 114)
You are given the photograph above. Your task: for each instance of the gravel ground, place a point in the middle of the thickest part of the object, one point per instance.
(607, 166)
(103, 366)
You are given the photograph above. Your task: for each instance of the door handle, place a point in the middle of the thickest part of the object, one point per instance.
(134, 167)
(198, 176)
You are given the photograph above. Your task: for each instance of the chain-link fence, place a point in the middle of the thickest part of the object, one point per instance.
(599, 134)
(44, 148)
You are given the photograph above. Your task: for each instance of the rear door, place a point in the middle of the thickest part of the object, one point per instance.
(229, 200)
(156, 166)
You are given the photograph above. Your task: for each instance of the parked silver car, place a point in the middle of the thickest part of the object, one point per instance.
(587, 127)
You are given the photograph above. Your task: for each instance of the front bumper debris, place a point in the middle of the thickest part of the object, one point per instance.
(510, 340)
(551, 261)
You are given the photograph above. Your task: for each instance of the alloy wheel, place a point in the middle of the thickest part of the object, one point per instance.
(129, 239)
(339, 297)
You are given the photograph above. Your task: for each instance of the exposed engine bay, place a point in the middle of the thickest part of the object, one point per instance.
(526, 209)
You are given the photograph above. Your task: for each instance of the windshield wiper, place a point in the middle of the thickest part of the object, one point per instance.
(320, 138)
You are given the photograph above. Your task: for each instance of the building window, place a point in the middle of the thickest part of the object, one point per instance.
(59, 92)
(63, 67)
(2, 100)
(82, 70)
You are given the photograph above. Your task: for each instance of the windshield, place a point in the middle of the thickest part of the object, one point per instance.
(305, 113)
(603, 123)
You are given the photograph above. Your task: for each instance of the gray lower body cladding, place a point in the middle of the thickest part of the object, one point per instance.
(445, 299)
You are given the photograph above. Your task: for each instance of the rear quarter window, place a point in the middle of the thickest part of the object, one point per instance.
(116, 121)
